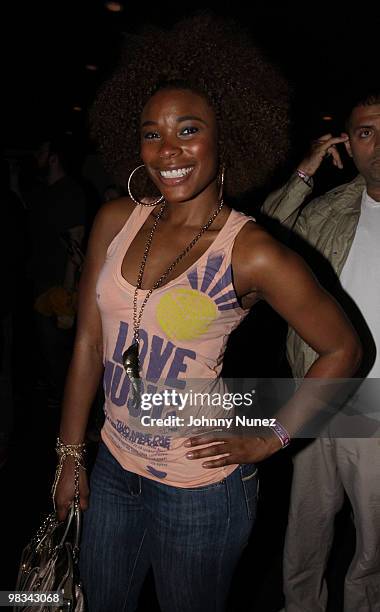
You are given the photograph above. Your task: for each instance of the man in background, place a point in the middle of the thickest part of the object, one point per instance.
(343, 227)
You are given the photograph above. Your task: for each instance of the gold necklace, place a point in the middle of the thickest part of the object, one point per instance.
(131, 355)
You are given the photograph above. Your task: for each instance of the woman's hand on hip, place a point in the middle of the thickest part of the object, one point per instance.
(231, 449)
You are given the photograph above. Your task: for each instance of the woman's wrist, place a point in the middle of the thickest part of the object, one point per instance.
(76, 451)
(281, 434)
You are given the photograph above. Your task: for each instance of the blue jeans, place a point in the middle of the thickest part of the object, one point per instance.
(192, 538)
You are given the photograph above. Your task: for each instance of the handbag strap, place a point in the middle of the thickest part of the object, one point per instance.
(73, 518)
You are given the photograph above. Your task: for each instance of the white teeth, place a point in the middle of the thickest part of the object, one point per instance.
(177, 173)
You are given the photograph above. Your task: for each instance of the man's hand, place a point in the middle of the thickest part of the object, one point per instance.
(320, 149)
(231, 449)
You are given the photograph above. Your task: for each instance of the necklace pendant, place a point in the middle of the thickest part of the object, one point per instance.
(131, 361)
(132, 368)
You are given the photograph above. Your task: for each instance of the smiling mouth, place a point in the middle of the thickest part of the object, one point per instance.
(176, 173)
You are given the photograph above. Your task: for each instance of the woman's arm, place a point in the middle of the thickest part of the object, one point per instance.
(287, 284)
(86, 365)
(264, 269)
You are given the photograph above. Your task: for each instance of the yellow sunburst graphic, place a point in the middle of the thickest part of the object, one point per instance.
(184, 314)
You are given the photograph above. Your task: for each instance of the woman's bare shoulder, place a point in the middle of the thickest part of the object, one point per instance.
(256, 255)
(254, 241)
(111, 218)
(117, 212)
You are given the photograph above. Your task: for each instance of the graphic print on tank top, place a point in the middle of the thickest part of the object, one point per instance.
(185, 314)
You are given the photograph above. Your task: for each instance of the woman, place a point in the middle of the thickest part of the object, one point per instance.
(162, 288)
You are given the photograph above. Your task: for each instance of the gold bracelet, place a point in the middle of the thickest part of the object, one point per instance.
(63, 451)
(73, 450)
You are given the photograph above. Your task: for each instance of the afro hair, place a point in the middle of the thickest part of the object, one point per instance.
(213, 56)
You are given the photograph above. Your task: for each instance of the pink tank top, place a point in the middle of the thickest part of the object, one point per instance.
(183, 334)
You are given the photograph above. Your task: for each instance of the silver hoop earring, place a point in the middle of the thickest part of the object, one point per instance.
(160, 199)
(222, 173)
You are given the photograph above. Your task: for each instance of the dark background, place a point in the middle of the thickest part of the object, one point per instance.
(323, 48)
